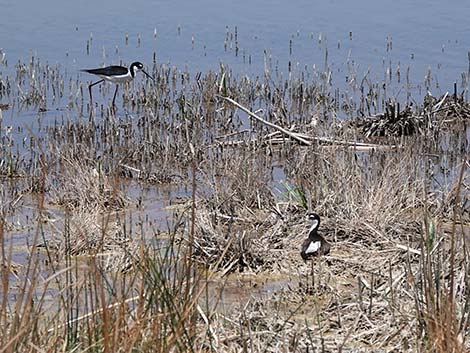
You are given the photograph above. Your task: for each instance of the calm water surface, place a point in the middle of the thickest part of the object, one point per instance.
(424, 34)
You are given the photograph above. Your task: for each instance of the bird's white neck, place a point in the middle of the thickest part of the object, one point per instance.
(314, 226)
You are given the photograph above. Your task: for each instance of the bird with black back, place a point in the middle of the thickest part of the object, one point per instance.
(315, 245)
(116, 74)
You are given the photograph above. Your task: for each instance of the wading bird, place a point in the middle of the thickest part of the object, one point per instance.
(117, 75)
(315, 245)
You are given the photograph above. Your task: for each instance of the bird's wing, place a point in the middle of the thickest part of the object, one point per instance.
(108, 71)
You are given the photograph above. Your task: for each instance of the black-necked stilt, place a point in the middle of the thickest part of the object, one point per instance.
(116, 74)
(315, 244)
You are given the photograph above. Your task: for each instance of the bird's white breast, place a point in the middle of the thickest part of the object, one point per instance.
(313, 247)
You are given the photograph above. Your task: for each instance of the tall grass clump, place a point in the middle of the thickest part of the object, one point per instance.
(66, 298)
(441, 286)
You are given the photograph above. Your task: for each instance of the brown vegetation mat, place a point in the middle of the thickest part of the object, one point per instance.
(88, 227)
(83, 185)
(382, 286)
(434, 113)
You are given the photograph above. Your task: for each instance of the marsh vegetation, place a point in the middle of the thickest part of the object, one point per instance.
(174, 224)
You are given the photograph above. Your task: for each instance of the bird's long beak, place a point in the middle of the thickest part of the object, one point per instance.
(150, 77)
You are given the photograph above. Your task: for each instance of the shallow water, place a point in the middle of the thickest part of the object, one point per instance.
(421, 34)
(425, 42)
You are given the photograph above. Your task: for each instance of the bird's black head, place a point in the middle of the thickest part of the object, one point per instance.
(314, 220)
(138, 66)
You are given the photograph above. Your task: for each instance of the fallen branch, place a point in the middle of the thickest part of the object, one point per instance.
(407, 248)
(281, 129)
(302, 138)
